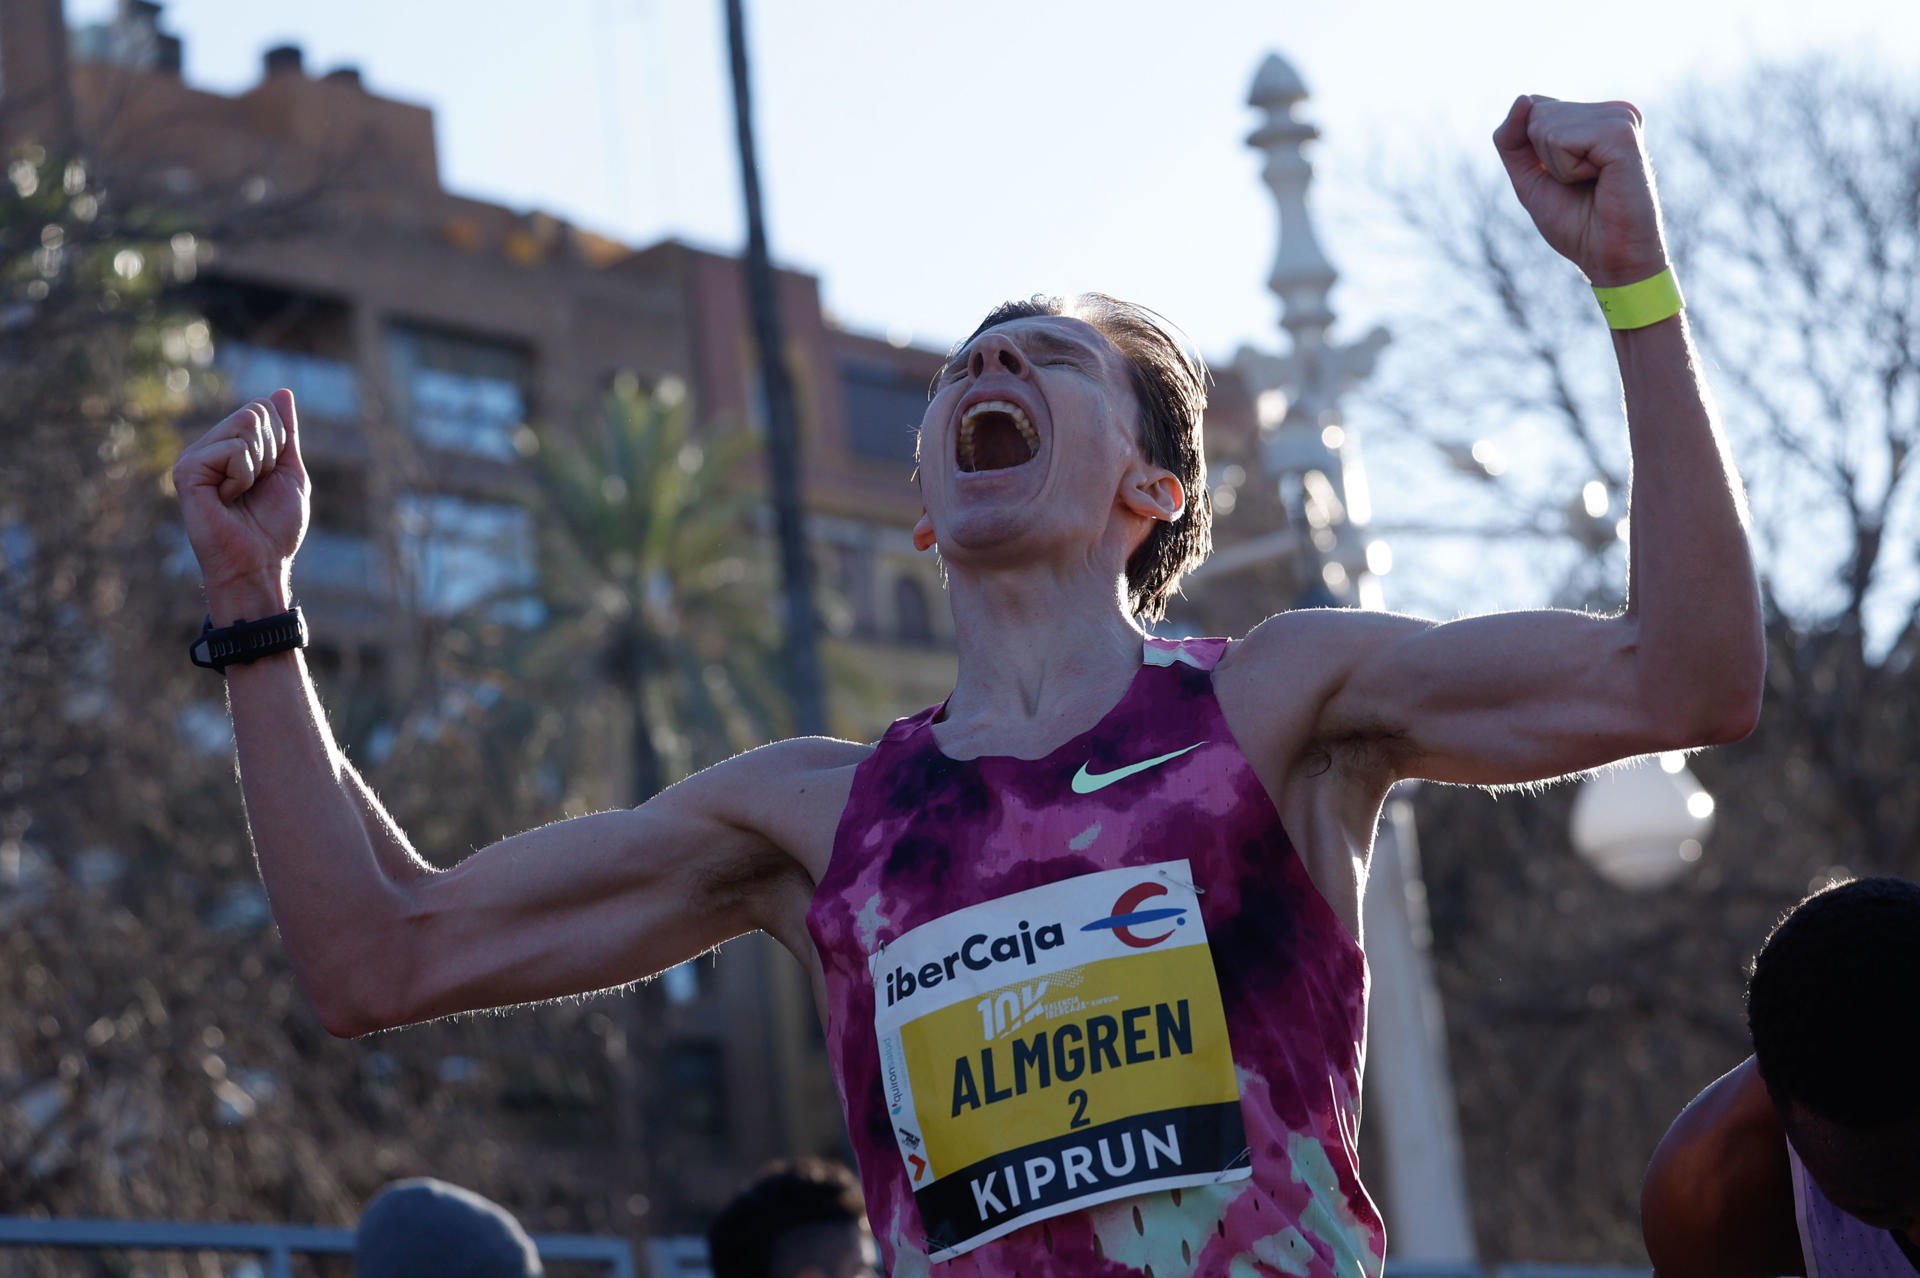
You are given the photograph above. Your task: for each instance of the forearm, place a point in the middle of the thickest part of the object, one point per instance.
(335, 868)
(1691, 592)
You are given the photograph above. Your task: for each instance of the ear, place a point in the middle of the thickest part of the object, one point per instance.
(1153, 492)
(923, 538)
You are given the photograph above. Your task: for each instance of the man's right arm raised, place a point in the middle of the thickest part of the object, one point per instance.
(377, 936)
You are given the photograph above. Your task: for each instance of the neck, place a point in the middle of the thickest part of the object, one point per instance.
(1036, 645)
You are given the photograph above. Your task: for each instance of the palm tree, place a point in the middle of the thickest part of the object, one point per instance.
(653, 572)
(655, 584)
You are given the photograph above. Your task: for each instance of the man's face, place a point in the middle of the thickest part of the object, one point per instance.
(1873, 1175)
(1031, 433)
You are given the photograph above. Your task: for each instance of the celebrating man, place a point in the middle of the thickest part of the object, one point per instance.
(1086, 937)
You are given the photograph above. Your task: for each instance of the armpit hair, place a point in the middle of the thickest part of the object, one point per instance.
(1357, 750)
(730, 883)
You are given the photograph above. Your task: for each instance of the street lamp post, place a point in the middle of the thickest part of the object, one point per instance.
(1308, 452)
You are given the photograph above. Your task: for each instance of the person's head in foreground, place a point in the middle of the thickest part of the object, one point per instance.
(1832, 1005)
(430, 1229)
(799, 1219)
(1069, 429)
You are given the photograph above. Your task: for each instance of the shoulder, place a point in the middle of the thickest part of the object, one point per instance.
(797, 759)
(1717, 1201)
(772, 779)
(793, 761)
(1280, 679)
(1316, 646)
(1352, 631)
(788, 794)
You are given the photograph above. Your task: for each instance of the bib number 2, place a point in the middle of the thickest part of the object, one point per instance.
(1054, 1049)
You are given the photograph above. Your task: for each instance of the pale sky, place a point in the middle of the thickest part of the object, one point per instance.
(928, 160)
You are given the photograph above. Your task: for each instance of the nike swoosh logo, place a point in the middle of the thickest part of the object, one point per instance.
(1085, 782)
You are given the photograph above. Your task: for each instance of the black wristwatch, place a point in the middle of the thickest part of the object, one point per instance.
(248, 641)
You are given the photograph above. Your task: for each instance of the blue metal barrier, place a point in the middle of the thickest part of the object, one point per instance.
(277, 1243)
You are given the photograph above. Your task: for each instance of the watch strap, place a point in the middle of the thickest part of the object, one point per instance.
(245, 642)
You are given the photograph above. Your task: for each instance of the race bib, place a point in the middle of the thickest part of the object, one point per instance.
(1054, 1049)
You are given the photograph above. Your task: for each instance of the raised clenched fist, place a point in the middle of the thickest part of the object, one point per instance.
(1581, 171)
(244, 496)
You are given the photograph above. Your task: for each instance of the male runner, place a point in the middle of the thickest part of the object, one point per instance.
(1086, 937)
(1805, 1159)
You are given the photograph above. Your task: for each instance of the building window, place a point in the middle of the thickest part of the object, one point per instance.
(463, 553)
(697, 1087)
(16, 548)
(681, 983)
(884, 408)
(333, 560)
(321, 387)
(856, 572)
(460, 394)
(913, 622)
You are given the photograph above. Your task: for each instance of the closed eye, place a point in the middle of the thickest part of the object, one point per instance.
(1049, 354)
(1048, 348)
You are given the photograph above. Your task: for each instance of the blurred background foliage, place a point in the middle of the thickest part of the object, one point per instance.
(1581, 1016)
(140, 965)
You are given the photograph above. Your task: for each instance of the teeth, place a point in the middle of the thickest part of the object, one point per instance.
(1016, 413)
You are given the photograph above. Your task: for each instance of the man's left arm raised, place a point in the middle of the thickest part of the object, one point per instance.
(1524, 696)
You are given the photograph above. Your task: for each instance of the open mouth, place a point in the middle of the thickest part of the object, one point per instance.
(996, 434)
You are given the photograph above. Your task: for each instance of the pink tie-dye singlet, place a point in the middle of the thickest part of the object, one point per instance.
(1157, 801)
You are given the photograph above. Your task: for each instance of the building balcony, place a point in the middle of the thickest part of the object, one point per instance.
(339, 563)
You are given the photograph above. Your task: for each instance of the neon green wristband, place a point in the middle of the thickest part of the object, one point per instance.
(1637, 305)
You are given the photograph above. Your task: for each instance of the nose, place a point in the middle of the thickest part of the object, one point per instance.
(994, 351)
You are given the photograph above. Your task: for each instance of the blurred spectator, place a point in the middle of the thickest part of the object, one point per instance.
(430, 1229)
(800, 1219)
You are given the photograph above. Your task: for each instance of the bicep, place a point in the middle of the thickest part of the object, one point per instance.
(583, 904)
(1496, 700)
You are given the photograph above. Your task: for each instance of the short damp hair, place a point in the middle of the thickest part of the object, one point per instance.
(1829, 1003)
(1170, 380)
(795, 1213)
